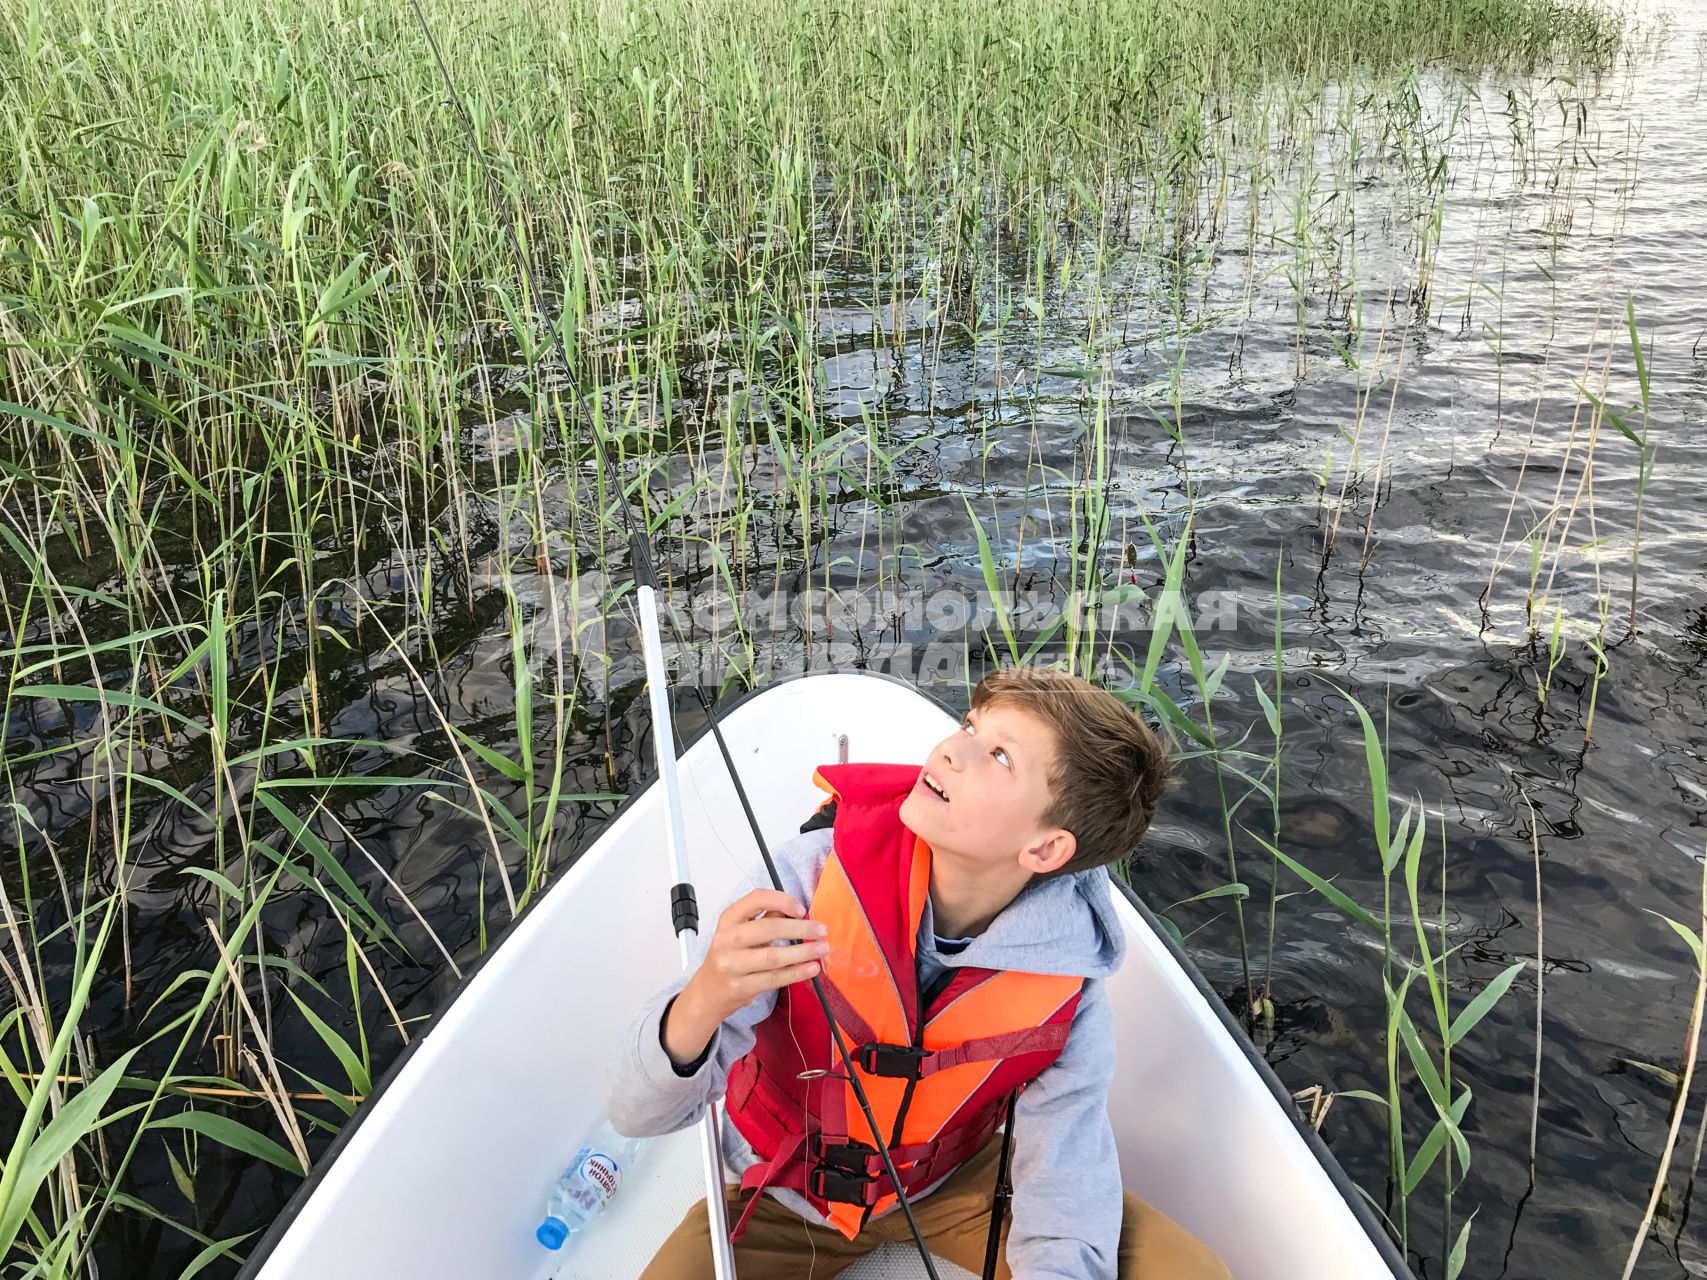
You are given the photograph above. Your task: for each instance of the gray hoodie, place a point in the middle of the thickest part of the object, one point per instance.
(1066, 1206)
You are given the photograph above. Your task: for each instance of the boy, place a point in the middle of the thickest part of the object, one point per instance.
(960, 915)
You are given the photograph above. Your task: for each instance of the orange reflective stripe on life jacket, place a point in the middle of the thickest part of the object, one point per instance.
(935, 1074)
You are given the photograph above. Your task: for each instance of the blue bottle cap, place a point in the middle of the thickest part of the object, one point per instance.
(552, 1233)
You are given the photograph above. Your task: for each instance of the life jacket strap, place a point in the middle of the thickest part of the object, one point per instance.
(764, 1174)
(905, 1062)
(830, 1169)
(855, 1027)
(847, 1172)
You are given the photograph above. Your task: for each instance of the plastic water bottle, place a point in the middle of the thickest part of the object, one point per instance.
(589, 1182)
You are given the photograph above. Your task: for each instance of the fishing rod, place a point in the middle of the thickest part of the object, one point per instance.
(684, 906)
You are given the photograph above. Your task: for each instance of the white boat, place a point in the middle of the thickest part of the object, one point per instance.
(443, 1173)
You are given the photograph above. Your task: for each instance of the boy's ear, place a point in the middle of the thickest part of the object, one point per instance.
(1050, 853)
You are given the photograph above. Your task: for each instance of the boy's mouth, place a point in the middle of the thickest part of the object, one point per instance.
(930, 785)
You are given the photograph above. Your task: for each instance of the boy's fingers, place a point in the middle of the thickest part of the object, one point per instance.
(760, 933)
(769, 959)
(760, 963)
(762, 900)
(790, 974)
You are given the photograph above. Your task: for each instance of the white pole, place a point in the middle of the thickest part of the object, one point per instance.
(664, 741)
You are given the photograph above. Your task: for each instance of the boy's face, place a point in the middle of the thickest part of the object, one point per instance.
(991, 790)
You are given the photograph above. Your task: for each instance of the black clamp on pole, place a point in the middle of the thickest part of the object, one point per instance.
(684, 908)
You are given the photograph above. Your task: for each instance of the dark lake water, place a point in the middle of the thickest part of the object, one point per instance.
(1562, 202)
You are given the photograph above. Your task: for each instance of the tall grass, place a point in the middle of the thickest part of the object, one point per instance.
(1418, 1054)
(267, 437)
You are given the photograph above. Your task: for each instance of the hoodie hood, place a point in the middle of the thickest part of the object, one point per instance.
(1065, 925)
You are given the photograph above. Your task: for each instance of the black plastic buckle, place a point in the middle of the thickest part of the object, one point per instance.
(838, 1185)
(843, 1172)
(849, 1157)
(897, 1061)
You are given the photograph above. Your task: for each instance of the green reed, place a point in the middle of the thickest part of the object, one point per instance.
(1418, 1056)
(267, 428)
(1692, 938)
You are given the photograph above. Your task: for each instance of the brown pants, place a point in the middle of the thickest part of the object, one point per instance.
(954, 1220)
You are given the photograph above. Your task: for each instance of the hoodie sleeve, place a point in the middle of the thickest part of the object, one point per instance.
(645, 1094)
(1067, 1193)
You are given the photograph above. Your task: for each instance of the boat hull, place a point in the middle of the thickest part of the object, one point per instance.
(442, 1174)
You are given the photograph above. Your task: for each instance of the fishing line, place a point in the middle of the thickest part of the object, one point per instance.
(683, 904)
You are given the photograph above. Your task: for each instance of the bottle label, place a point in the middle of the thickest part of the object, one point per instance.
(602, 1172)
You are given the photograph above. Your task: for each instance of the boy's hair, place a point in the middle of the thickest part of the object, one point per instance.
(1110, 770)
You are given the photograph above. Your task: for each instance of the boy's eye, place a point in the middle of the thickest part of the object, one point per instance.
(1001, 753)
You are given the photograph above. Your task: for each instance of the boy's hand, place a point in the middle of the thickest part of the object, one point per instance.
(742, 962)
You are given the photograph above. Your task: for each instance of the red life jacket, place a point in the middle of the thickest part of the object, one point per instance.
(936, 1067)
